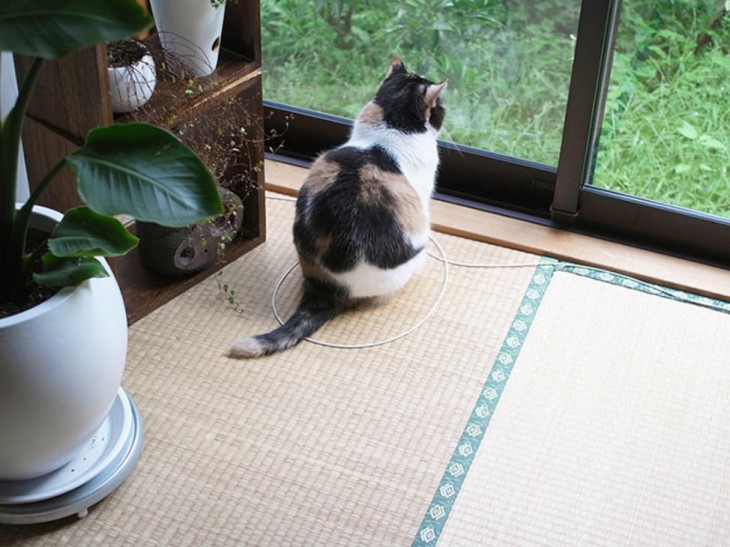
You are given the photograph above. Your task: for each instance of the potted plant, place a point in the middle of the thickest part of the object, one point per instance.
(132, 74)
(61, 358)
(191, 30)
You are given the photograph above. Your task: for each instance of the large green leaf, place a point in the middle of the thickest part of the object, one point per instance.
(64, 272)
(144, 171)
(82, 232)
(53, 28)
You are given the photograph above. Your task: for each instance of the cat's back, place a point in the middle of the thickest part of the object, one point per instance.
(353, 184)
(352, 171)
(357, 206)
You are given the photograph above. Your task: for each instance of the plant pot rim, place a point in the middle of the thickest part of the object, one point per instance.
(146, 59)
(141, 48)
(57, 299)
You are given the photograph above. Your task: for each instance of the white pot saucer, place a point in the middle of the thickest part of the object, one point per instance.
(96, 471)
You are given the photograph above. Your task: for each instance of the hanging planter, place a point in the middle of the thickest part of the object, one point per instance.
(191, 31)
(132, 75)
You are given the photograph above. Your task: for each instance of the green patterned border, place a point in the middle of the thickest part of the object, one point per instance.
(448, 490)
(642, 286)
(457, 468)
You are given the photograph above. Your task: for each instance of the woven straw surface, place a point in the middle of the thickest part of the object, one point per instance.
(612, 430)
(315, 445)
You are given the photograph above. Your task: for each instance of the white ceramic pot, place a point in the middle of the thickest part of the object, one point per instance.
(61, 365)
(191, 31)
(132, 86)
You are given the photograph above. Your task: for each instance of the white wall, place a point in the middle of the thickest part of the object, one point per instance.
(8, 94)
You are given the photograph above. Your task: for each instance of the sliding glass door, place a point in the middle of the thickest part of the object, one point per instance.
(508, 63)
(666, 130)
(654, 171)
(567, 114)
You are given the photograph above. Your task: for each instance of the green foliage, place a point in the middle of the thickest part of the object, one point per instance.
(146, 172)
(82, 232)
(665, 135)
(509, 62)
(40, 28)
(62, 272)
(136, 169)
(229, 293)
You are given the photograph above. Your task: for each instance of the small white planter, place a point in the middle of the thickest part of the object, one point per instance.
(132, 86)
(61, 365)
(191, 31)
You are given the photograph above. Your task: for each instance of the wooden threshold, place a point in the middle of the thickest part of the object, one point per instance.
(530, 237)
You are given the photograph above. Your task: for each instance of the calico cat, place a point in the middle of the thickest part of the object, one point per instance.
(362, 216)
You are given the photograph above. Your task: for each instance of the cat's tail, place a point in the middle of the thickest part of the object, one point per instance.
(312, 313)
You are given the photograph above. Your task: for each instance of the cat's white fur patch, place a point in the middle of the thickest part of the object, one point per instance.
(418, 159)
(366, 280)
(416, 153)
(248, 347)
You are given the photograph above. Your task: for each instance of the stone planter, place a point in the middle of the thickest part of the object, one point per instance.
(181, 251)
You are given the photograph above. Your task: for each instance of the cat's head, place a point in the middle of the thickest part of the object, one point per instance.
(408, 102)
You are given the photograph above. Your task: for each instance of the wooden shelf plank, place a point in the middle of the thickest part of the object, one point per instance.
(145, 290)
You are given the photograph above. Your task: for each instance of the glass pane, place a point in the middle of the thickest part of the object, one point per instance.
(508, 62)
(666, 128)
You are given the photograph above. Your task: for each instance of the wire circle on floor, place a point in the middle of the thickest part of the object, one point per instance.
(443, 259)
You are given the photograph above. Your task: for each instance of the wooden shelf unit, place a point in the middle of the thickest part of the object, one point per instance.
(72, 97)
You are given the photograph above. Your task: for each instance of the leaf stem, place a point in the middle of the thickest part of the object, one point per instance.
(27, 271)
(25, 262)
(11, 260)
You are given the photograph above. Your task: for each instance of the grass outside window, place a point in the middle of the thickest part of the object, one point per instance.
(508, 63)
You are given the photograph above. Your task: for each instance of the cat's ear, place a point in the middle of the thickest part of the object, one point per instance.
(395, 66)
(433, 91)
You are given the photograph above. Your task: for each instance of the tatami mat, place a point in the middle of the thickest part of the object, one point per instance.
(612, 429)
(545, 405)
(315, 446)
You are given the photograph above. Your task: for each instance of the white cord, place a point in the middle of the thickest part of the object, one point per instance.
(280, 197)
(487, 266)
(446, 262)
(444, 259)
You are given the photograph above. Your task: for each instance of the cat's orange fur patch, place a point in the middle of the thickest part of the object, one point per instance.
(412, 217)
(372, 181)
(323, 244)
(410, 212)
(321, 176)
(371, 114)
(310, 270)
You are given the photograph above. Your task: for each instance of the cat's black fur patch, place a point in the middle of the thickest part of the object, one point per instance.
(313, 311)
(351, 158)
(304, 235)
(401, 98)
(358, 230)
(438, 113)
